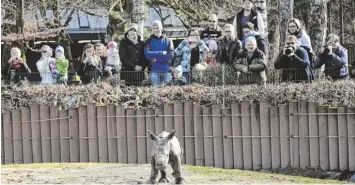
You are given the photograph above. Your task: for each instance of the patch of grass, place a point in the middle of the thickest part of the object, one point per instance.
(54, 165)
(252, 176)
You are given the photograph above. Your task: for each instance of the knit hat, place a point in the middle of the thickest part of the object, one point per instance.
(112, 44)
(132, 26)
(158, 23)
(59, 48)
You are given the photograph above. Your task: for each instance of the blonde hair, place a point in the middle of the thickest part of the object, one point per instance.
(291, 38)
(232, 30)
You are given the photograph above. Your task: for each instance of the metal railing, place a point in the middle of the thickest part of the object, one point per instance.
(219, 76)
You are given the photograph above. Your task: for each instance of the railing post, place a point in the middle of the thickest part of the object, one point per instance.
(12, 75)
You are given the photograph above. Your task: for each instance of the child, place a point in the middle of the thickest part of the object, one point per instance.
(62, 64)
(178, 78)
(113, 64)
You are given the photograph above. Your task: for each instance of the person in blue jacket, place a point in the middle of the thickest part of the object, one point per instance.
(159, 50)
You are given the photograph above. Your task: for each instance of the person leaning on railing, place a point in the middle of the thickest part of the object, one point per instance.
(229, 47)
(131, 51)
(334, 57)
(251, 65)
(90, 65)
(16, 65)
(294, 62)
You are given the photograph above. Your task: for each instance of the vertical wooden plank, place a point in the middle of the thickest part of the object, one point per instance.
(121, 134)
(343, 140)
(351, 140)
(36, 134)
(112, 133)
(102, 134)
(237, 141)
(169, 120)
(208, 136)
(246, 131)
(2, 142)
(198, 132)
(179, 126)
(17, 136)
(294, 131)
(323, 140)
(189, 133)
(92, 133)
(150, 120)
(256, 141)
(141, 140)
(275, 140)
(313, 131)
(83, 134)
(45, 133)
(74, 135)
(55, 134)
(333, 141)
(8, 141)
(218, 136)
(285, 136)
(131, 136)
(303, 131)
(265, 133)
(159, 120)
(64, 136)
(227, 141)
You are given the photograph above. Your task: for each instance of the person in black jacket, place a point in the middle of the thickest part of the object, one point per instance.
(229, 47)
(294, 61)
(247, 14)
(131, 51)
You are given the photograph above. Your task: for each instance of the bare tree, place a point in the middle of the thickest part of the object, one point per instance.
(318, 24)
(286, 13)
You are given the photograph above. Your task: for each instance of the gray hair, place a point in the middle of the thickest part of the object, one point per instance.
(333, 37)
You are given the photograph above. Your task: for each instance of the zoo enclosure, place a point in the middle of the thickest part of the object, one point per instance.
(247, 135)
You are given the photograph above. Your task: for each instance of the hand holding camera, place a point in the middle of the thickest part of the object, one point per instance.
(326, 49)
(289, 51)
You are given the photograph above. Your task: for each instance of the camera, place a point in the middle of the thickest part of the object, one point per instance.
(288, 50)
(326, 50)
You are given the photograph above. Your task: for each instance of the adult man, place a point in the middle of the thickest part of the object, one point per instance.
(294, 62)
(213, 31)
(247, 14)
(334, 57)
(248, 31)
(159, 50)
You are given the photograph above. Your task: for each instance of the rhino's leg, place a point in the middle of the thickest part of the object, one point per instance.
(177, 170)
(153, 173)
(163, 178)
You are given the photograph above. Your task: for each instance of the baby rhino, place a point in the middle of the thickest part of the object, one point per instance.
(166, 149)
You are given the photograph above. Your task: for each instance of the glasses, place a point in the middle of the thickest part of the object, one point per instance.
(290, 43)
(212, 21)
(227, 31)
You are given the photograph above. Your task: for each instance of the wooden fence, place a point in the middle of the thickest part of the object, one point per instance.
(245, 136)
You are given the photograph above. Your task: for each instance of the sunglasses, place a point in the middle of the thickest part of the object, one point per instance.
(290, 43)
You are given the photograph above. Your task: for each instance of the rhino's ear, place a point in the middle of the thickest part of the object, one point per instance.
(152, 136)
(171, 135)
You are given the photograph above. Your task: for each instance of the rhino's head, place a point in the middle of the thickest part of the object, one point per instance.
(161, 149)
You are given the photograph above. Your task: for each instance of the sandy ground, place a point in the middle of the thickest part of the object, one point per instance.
(135, 174)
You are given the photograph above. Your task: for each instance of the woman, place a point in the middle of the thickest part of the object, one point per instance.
(90, 65)
(229, 47)
(252, 64)
(190, 52)
(46, 65)
(131, 52)
(295, 28)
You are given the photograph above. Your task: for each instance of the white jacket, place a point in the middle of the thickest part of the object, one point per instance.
(44, 70)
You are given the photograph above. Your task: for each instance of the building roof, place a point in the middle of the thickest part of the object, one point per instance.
(87, 26)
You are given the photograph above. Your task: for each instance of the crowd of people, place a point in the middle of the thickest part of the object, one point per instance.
(240, 44)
